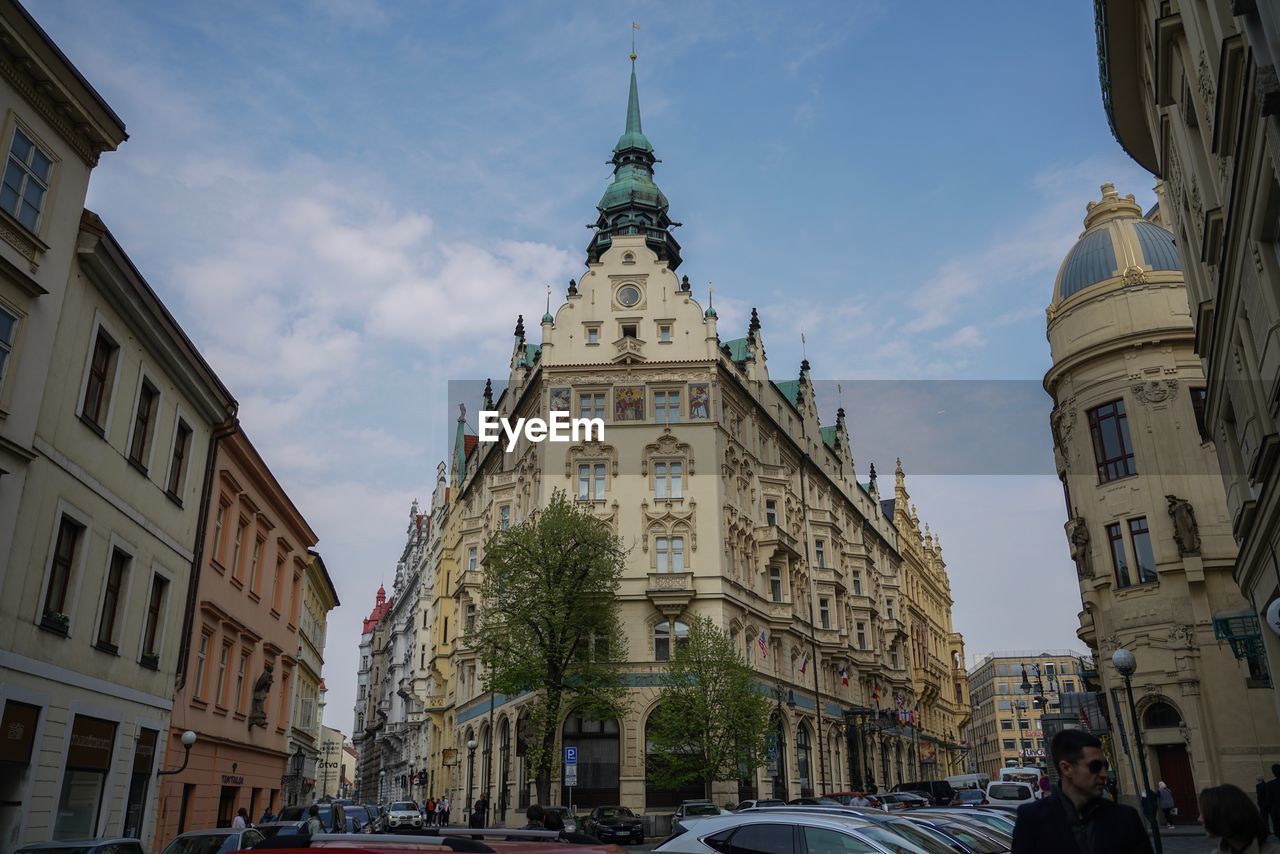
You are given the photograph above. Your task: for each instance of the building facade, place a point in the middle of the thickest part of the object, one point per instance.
(370, 712)
(1012, 692)
(743, 506)
(241, 652)
(331, 771)
(1149, 524)
(312, 598)
(1192, 94)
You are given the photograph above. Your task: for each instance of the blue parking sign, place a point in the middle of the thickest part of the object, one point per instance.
(571, 756)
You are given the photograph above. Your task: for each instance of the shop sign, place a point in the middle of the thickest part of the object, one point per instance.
(18, 732)
(91, 743)
(232, 780)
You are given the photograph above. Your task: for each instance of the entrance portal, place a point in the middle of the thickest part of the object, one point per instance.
(1175, 771)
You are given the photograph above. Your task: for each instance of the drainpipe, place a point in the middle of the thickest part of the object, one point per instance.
(222, 431)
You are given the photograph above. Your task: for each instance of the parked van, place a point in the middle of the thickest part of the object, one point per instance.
(970, 781)
(938, 791)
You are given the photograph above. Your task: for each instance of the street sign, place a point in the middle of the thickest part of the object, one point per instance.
(571, 756)
(571, 775)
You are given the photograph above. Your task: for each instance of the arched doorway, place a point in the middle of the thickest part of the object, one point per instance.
(897, 761)
(504, 762)
(486, 764)
(777, 768)
(886, 778)
(656, 794)
(597, 743)
(1163, 728)
(804, 756)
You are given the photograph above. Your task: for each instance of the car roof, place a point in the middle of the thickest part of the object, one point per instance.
(212, 831)
(75, 843)
(769, 815)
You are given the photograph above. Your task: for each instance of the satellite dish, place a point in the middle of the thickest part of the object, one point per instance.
(1273, 616)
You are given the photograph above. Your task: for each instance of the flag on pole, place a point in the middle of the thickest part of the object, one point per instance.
(875, 698)
(844, 676)
(804, 663)
(634, 25)
(764, 645)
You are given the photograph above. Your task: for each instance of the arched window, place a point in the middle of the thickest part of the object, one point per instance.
(523, 725)
(662, 638)
(836, 765)
(897, 760)
(486, 757)
(1160, 715)
(803, 756)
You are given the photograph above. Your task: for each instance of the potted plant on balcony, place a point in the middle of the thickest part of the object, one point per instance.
(150, 660)
(55, 621)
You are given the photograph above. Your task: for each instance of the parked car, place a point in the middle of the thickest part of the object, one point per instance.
(938, 791)
(359, 818)
(299, 812)
(768, 830)
(977, 838)
(106, 845)
(763, 802)
(609, 824)
(926, 839)
(1010, 792)
(847, 799)
(690, 809)
(571, 823)
(969, 798)
(221, 841)
(1000, 821)
(272, 829)
(898, 801)
(403, 815)
(814, 802)
(376, 815)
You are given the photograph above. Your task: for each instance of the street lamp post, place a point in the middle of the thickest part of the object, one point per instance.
(1126, 664)
(471, 760)
(188, 739)
(382, 787)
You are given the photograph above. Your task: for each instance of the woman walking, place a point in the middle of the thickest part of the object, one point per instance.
(1164, 799)
(1229, 816)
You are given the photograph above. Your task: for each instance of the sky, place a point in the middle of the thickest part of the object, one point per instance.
(347, 202)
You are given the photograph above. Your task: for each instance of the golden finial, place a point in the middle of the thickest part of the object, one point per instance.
(634, 27)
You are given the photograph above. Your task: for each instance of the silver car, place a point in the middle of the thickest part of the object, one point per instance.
(785, 832)
(221, 841)
(403, 815)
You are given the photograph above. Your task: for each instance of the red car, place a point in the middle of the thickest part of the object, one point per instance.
(457, 839)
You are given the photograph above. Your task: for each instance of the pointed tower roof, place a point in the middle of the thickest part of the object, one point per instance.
(633, 204)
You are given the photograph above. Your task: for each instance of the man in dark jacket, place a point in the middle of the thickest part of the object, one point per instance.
(1076, 819)
(1273, 800)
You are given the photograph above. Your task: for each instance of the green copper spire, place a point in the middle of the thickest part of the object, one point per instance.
(633, 204)
(633, 137)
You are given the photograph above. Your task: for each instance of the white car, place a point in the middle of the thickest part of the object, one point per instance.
(1010, 793)
(774, 831)
(404, 815)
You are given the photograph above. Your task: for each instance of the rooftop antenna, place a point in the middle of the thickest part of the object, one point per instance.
(803, 352)
(711, 293)
(548, 299)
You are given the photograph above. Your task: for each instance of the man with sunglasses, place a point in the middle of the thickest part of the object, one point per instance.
(1075, 818)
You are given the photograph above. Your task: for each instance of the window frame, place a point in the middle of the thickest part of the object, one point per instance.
(777, 587)
(663, 415)
(15, 127)
(175, 481)
(141, 445)
(1199, 398)
(668, 485)
(1145, 534)
(105, 396)
(9, 348)
(594, 486)
(111, 643)
(1119, 555)
(75, 572)
(201, 674)
(155, 631)
(1111, 469)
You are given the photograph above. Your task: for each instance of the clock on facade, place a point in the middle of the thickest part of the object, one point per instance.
(628, 295)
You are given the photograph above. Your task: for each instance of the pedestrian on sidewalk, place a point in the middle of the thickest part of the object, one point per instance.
(1075, 818)
(1272, 810)
(446, 804)
(241, 821)
(1164, 799)
(1228, 815)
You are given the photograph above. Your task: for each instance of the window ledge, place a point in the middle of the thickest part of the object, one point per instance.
(236, 582)
(150, 660)
(54, 627)
(93, 425)
(254, 596)
(1116, 480)
(108, 648)
(199, 704)
(139, 467)
(219, 709)
(217, 565)
(240, 716)
(175, 499)
(275, 613)
(1257, 683)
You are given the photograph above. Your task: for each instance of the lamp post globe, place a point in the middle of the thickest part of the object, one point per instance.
(188, 739)
(471, 745)
(1124, 662)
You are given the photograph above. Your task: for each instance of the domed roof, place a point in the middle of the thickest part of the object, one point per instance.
(1116, 239)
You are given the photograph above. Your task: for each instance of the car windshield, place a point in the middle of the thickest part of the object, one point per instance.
(991, 819)
(404, 806)
(928, 839)
(1010, 792)
(891, 840)
(616, 812)
(701, 809)
(974, 840)
(205, 843)
(771, 803)
(969, 795)
(281, 830)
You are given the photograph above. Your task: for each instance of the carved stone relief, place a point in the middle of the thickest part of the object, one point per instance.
(1155, 391)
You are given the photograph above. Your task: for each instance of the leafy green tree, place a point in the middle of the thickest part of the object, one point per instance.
(550, 625)
(712, 719)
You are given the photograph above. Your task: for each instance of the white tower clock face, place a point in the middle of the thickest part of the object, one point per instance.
(628, 295)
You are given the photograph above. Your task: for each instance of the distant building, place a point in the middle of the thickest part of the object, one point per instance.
(313, 597)
(1011, 692)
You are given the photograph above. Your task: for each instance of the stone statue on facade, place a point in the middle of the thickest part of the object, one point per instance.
(258, 711)
(1185, 531)
(1078, 537)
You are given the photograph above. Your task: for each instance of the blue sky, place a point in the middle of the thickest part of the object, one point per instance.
(347, 202)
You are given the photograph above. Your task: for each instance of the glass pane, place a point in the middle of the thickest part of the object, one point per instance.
(13, 175)
(28, 216)
(78, 804)
(767, 839)
(21, 145)
(1142, 551)
(34, 194)
(40, 165)
(8, 198)
(7, 324)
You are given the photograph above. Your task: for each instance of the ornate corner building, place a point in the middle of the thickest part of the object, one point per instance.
(741, 505)
(1149, 525)
(1192, 94)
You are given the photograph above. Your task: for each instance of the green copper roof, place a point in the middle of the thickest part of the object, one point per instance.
(530, 356)
(737, 348)
(633, 137)
(829, 436)
(790, 390)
